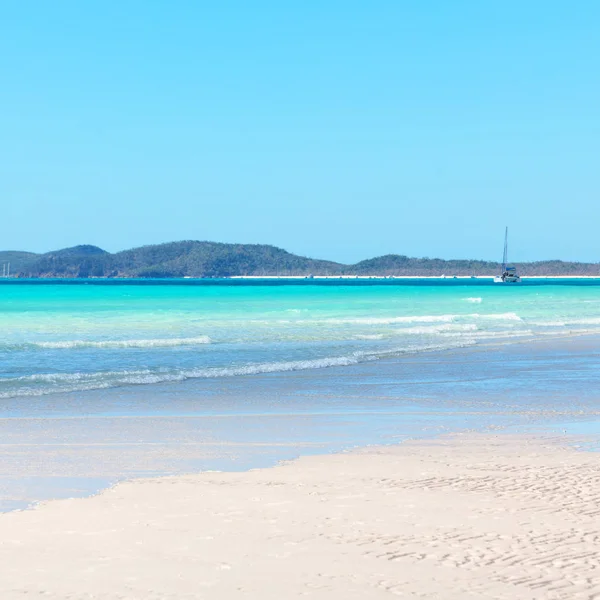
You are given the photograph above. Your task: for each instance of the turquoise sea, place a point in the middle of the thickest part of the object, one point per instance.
(65, 338)
(105, 380)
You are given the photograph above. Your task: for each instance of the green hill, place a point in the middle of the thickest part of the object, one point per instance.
(394, 264)
(19, 261)
(212, 259)
(175, 259)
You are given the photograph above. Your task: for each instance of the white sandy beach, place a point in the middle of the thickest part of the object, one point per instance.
(471, 516)
(434, 277)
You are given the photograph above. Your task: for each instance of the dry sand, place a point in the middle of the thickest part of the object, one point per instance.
(463, 517)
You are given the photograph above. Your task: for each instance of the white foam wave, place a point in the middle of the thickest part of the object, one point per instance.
(360, 320)
(392, 320)
(151, 343)
(31, 385)
(46, 383)
(567, 322)
(568, 332)
(590, 321)
(474, 300)
(501, 334)
(464, 343)
(509, 316)
(459, 329)
(445, 318)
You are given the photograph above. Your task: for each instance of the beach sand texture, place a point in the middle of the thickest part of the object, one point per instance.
(466, 516)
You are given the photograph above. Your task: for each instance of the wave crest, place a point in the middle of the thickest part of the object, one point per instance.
(151, 343)
(48, 383)
(509, 316)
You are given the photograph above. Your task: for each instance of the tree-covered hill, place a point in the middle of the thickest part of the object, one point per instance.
(394, 264)
(212, 259)
(175, 259)
(19, 261)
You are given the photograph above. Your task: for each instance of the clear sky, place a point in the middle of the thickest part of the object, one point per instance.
(339, 129)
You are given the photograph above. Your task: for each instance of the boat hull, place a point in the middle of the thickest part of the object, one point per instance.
(507, 280)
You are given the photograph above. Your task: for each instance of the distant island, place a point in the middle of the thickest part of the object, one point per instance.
(212, 259)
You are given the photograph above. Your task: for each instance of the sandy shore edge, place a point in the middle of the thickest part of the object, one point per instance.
(463, 516)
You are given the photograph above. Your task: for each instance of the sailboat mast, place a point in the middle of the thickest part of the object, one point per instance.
(505, 255)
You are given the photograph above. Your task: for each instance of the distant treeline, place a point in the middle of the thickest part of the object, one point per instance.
(211, 259)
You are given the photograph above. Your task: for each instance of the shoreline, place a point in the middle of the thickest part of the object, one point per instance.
(466, 515)
(307, 277)
(442, 277)
(88, 440)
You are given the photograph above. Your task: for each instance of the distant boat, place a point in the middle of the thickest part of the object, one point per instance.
(509, 274)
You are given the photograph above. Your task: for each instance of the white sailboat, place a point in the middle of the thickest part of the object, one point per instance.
(509, 274)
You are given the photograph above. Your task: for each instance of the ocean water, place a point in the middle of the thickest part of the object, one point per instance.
(100, 383)
(65, 338)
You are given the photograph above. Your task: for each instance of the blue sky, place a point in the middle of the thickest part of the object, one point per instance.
(337, 129)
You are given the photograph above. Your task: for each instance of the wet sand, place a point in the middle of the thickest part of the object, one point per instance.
(76, 444)
(464, 516)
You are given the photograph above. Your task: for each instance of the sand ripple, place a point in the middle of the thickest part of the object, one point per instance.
(467, 517)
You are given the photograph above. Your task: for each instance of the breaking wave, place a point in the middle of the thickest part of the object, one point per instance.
(446, 318)
(459, 329)
(509, 316)
(568, 322)
(391, 320)
(152, 343)
(50, 383)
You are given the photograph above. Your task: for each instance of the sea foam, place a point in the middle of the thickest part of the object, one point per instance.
(152, 343)
(40, 384)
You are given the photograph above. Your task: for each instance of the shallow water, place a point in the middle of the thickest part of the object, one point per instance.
(61, 338)
(62, 445)
(104, 382)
